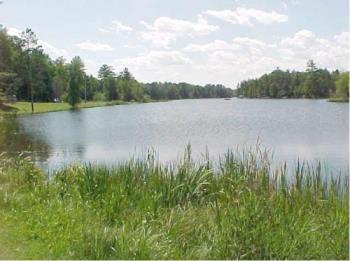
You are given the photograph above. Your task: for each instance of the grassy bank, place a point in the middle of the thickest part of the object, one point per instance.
(40, 107)
(186, 210)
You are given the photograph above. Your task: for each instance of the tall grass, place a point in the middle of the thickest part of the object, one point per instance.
(236, 208)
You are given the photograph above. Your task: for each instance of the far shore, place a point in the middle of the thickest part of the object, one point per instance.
(338, 100)
(333, 99)
(24, 108)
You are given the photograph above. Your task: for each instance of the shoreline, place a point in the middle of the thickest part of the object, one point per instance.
(24, 108)
(338, 100)
(344, 100)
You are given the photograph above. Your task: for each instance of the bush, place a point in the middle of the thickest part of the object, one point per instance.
(99, 96)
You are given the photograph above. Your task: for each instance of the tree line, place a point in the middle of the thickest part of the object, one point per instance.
(173, 91)
(312, 83)
(29, 74)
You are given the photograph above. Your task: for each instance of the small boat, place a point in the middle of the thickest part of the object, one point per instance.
(227, 99)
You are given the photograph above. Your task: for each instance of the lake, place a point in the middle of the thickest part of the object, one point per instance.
(311, 130)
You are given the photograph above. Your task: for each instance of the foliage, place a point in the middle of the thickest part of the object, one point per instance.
(237, 208)
(173, 91)
(313, 83)
(60, 79)
(76, 72)
(7, 77)
(131, 89)
(106, 71)
(342, 86)
(98, 96)
(8, 84)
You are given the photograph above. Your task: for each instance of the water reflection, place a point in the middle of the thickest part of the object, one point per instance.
(14, 140)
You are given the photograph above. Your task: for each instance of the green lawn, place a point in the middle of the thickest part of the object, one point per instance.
(40, 107)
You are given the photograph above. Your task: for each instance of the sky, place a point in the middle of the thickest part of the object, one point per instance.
(195, 41)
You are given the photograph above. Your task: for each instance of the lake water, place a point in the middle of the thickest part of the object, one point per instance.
(312, 130)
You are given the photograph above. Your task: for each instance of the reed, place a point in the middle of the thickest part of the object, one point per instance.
(235, 208)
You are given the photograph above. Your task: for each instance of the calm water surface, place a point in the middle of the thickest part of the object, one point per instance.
(312, 130)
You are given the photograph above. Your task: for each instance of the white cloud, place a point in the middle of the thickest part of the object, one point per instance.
(331, 53)
(343, 39)
(237, 43)
(248, 16)
(251, 42)
(94, 47)
(115, 27)
(165, 30)
(91, 66)
(119, 27)
(302, 39)
(53, 51)
(157, 66)
(154, 59)
(14, 31)
(104, 30)
(212, 46)
(229, 62)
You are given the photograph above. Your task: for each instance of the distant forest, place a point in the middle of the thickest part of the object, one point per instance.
(27, 72)
(167, 90)
(313, 83)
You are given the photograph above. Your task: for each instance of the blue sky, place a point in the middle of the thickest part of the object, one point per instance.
(198, 41)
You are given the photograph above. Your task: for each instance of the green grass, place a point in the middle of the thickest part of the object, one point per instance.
(237, 208)
(40, 107)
